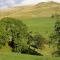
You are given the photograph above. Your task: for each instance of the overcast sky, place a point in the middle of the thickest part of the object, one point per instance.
(9, 3)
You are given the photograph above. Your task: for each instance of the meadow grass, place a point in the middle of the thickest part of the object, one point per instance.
(17, 56)
(44, 26)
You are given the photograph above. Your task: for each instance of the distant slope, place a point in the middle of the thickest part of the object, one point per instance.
(45, 9)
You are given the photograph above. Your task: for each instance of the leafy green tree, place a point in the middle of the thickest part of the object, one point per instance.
(36, 40)
(30, 39)
(55, 37)
(13, 32)
(39, 40)
(57, 31)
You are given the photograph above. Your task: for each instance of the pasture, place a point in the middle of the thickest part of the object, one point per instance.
(16, 56)
(44, 25)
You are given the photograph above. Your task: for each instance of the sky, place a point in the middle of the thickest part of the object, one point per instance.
(10, 3)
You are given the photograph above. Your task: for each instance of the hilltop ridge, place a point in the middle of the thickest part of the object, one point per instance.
(44, 9)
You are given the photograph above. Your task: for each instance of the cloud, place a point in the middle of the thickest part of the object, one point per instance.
(18, 1)
(27, 2)
(10, 3)
(57, 1)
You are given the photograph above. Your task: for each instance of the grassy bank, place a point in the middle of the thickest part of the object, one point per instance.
(43, 25)
(16, 56)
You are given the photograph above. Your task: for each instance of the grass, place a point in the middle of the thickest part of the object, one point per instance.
(44, 26)
(16, 56)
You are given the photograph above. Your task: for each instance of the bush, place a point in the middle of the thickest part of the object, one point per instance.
(55, 37)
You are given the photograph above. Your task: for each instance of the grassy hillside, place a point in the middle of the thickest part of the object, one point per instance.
(43, 25)
(45, 9)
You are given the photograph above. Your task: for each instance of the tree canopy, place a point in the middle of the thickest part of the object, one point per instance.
(13, 32)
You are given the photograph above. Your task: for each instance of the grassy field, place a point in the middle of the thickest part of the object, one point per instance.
(43, 25)
(16, 56)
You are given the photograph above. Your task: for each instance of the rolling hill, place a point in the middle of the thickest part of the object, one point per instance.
(44, 9)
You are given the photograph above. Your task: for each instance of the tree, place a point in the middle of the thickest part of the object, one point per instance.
(39, 40)
(57, 31)
(55, 38)
(13, 32)
(35, 40)
(30, 39)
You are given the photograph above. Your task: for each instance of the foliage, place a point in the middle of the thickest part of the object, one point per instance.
(39, 40)
(13, 31)
(36, 40)
(55, 37)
